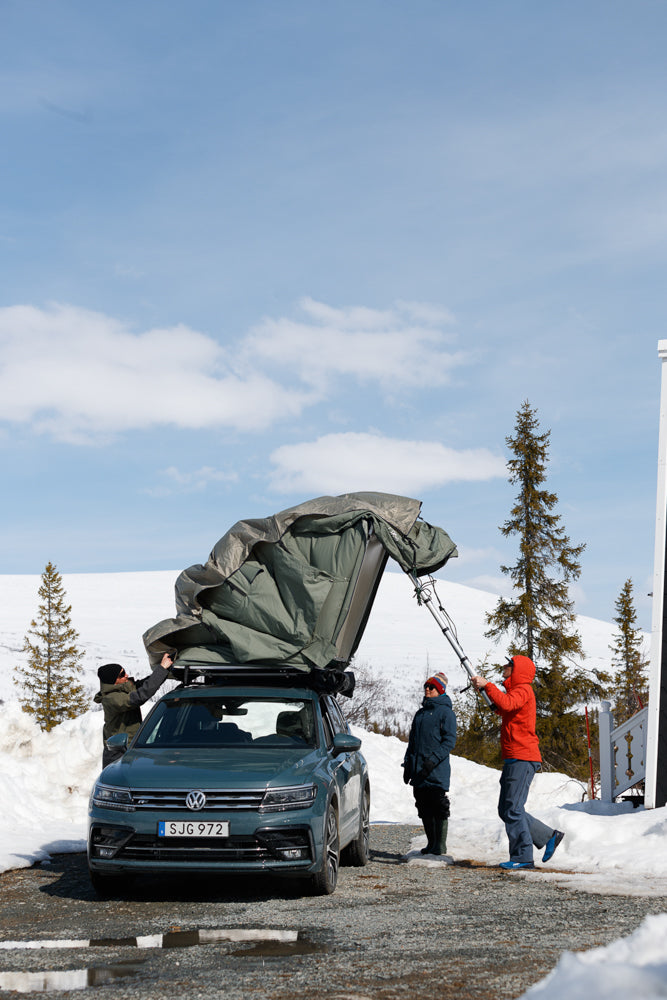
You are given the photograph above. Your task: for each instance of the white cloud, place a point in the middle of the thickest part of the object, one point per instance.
(500, 585)
(176, 481)
(428, 312)
(338, 463)
(80, 375)
(403, 346)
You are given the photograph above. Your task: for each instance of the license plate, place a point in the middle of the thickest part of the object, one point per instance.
(193, 828)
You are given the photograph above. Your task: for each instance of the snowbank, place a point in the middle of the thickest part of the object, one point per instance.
(45, 781)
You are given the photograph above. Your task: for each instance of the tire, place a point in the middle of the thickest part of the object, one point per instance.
(358, 851)
(324, 881)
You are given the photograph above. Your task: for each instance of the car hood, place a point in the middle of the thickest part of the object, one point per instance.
(211, 768)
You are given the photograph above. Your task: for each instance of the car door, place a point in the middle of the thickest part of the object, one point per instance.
(347, 768)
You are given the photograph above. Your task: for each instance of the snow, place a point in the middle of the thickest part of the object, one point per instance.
(635, 966)
(45, 778)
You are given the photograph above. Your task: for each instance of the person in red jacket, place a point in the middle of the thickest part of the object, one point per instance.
(521, 760)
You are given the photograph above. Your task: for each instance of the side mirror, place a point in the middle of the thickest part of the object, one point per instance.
(117, 742)
(344, 743)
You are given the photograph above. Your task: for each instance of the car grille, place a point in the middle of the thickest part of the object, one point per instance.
(149, 848)
(174, 798)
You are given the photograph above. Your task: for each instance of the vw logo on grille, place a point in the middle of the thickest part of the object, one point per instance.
(195, 800)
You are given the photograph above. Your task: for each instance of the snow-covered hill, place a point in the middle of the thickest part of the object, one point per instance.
(402, 642)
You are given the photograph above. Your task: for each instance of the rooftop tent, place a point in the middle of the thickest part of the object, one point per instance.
(296, 589)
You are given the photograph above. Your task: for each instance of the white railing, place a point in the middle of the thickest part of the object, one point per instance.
(622, 752)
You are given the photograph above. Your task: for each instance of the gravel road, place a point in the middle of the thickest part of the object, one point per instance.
(390, 930)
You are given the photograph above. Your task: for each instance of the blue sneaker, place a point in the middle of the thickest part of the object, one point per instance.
(551, 845)
(511, 865)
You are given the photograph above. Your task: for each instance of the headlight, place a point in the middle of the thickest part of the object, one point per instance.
(109, 797)
(281, 799)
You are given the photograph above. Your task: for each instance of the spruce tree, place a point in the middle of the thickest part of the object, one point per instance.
(477, 730)
(540, 618)
(50, 680)
(631, 682)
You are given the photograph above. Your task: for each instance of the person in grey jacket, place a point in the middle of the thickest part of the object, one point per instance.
(121, 697)
(426, 765)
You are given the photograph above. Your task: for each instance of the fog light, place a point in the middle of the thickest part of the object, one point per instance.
(107, 841)
(291, 844)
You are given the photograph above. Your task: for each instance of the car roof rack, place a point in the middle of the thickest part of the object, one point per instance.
(328, 681)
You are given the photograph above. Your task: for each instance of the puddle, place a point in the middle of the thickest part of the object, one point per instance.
(264, 943)
(172, 939)
(266, 949)
(69, 979)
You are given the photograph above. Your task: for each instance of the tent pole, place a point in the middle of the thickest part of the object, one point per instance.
(424, 596)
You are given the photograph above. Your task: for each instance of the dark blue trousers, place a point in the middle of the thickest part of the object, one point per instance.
(514, 785)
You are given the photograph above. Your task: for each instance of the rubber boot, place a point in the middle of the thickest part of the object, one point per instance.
(428, 822)
(440, 840)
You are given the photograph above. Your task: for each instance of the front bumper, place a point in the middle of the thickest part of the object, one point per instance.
(285, 843)
(116, 849)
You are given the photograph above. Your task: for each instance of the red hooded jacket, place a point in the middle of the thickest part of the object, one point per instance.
(516, 706)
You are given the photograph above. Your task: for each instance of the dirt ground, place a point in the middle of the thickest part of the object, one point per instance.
(391, 930)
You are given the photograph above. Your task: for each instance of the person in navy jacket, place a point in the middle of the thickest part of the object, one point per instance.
(426, 765)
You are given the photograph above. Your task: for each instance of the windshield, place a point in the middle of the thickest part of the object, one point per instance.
(222, 721)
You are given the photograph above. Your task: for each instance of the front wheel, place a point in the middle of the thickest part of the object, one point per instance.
(358, 851)
(324, 881)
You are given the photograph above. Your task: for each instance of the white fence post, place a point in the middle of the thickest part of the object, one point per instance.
(607, 776)
(656, 739)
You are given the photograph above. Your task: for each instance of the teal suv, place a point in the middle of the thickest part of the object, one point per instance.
(233, 777)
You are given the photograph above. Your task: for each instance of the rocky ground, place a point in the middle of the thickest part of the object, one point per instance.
(391, 930)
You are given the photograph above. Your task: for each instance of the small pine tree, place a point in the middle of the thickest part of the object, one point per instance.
(630, 690)
(540, 618)
(49, 681)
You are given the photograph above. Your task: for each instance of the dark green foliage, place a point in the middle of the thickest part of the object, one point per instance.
(562, 694)
(478, 731)
(539, 618)
(49, 681)
(631, 684)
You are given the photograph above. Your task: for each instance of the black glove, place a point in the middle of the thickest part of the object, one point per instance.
(406, 776)
(426, 769)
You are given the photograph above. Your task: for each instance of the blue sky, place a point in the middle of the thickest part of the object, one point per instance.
(256, 252)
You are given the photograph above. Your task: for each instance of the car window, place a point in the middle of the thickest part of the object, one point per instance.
(338, 717)
(326, 722)
(333, 719)
(229, 721)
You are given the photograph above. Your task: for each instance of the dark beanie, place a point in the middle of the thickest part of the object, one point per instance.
(110, 672)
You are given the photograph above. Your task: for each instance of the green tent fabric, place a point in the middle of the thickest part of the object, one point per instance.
(296, 589)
